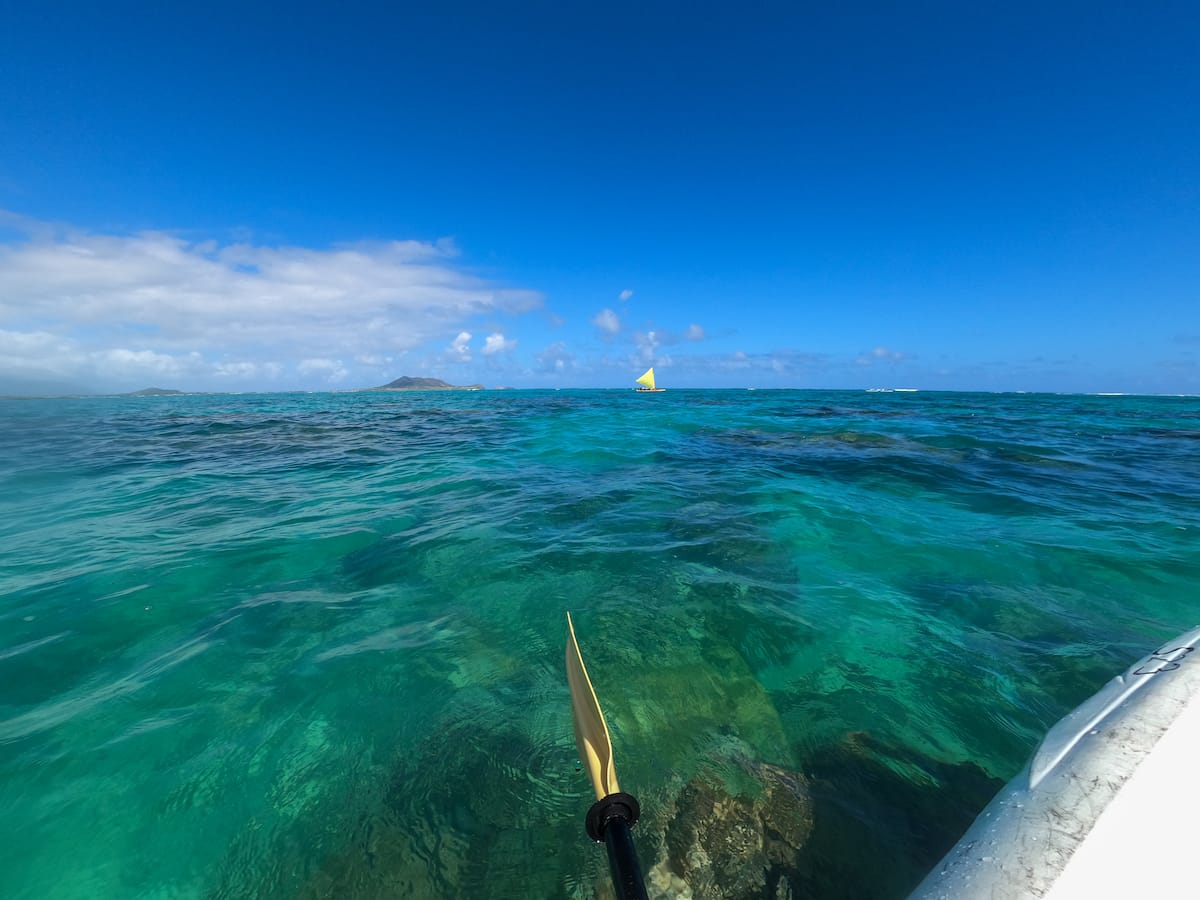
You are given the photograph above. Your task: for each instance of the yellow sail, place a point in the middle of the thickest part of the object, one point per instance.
(591, 731)
(648, 378)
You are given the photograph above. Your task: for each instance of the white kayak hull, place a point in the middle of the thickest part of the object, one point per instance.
(1105, 802)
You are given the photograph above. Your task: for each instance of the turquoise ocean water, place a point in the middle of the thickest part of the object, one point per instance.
(311, 645)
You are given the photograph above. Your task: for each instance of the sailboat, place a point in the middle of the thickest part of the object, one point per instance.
(648, 381)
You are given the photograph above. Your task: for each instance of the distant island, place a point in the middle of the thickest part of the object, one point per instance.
(407, 383)
(152, 392)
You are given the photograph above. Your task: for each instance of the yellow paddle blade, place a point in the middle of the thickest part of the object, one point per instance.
(591, 732)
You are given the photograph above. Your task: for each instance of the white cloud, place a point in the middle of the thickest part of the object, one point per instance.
(331, 369)
(33, 348)
(775, 362)
(606, 320)
(245, 369)
(372, 359)
(497, 343)
(625, 295)
(45, 358)
(556, 358)
(647, 344)
(460, 348)
(662, 337)
(145, 360)
(123, 307)
(881, 354)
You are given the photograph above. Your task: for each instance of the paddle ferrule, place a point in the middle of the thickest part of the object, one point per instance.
(610, 821)
(615, 806)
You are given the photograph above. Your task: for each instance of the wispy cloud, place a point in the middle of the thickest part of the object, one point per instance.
(662, 337)
(128, 308)
(624, 295)
(556, 359)
(882, 355)
(331, 370)
(606, 320)
(647, 346)
(774, 362)
(780, 367)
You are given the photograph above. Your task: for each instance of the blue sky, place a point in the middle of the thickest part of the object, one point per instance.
(290, 196)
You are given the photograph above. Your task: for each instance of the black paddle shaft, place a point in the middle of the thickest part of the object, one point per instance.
(623, 861)
(612, 820)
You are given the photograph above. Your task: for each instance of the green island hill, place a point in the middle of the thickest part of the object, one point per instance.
(408, 383)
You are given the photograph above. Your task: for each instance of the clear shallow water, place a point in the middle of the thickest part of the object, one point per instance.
(311, 645)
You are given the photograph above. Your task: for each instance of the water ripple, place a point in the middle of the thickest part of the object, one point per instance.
(311, 645)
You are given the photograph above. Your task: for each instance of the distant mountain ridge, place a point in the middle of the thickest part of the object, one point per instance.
(408, 383)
